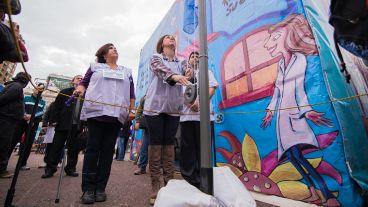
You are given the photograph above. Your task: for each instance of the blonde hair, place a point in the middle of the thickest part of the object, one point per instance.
(299, 37)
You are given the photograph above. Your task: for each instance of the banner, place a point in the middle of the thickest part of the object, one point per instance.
(278, 124)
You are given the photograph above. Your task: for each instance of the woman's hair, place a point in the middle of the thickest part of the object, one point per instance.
(159, 46)
(299, 37)
(100, 54)
(192, 53)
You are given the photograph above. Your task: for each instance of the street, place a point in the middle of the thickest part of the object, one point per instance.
(123, 189)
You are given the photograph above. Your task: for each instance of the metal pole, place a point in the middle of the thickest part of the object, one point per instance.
(206, 150)
(68, 103)
(11, 191)
(57, 199)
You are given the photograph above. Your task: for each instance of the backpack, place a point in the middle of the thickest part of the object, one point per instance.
(350, 21)
(8, 51)
(15, 6)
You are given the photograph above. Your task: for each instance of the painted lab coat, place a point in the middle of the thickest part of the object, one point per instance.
(291, 125)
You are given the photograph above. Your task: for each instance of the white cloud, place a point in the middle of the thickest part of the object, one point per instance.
(62, 36)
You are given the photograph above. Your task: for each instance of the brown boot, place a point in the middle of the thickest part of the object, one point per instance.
(154, 161)
(168, 156)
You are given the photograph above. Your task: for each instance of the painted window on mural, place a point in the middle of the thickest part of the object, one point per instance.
(248, 70)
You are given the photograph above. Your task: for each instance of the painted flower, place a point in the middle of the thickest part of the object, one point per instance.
(269, 175)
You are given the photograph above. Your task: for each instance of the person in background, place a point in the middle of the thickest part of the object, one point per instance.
(164, 101)
(123, 138)
(106, 82)
(8, 49)
(11, 112)
(48, 125)
(23, 126)
(21, 42)
(190, 128)
(140, 123)
(63, 124)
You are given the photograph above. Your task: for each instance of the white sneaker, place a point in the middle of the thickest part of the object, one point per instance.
(43, 165)
(25, 168)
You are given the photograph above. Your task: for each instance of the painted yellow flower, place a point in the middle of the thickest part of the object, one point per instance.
(269, 175)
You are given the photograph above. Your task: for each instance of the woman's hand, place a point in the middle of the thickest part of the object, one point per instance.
(131, 116)
(267, 119)
(189, 74)
(79, 91)
(195, 106)
(180, 79)
(317, 118)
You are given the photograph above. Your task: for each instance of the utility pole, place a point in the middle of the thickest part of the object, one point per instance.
(206, 144)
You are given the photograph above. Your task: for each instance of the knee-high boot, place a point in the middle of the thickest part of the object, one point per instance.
(168, 162)
(154, 160)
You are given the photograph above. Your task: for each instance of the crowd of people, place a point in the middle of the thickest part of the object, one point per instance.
(96, 128)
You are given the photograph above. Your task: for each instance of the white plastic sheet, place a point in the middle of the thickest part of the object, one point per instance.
(49, 136)
(228, 192)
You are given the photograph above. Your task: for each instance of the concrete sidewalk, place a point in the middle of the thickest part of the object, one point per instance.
(123, 189)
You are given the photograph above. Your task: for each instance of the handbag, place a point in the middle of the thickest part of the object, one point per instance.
(82, 137)
(8, 51)
(14, 5)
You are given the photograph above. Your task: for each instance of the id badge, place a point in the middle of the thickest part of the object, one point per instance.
(113, 74)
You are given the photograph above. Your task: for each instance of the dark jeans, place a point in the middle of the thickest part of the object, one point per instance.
(57, 148)
(143, 151)
(7, 127)
(21, 128)
(122, 145)
(162, 129)
(307, 170)
(47, 153)
(190, 151)
(99, 153)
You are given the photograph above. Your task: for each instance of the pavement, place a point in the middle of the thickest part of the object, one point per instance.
(123, 188)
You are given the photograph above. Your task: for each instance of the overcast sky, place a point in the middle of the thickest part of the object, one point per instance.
(62, 36)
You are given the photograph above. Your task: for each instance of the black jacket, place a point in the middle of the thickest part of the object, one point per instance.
(63, 114)
(48, 118)
(8, 49)
(11, 101)
(350, 20)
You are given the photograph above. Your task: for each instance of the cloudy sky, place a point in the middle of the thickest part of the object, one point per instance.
(62, 36)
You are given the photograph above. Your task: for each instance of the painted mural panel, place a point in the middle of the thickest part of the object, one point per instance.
(272, 134)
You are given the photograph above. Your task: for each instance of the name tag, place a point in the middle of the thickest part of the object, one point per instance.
(114, 74)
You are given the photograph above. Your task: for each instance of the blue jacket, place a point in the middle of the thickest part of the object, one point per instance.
(29, 102)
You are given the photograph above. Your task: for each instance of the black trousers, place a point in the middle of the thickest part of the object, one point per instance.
(99, 153)
(60, 137)
(47, 152)
(21, 128)
(190, 151)
(162, 129)
(7, 127)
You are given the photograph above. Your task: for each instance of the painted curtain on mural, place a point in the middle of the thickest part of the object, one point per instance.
(271, 130)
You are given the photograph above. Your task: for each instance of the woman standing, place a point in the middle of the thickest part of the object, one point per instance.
(163, 104)
(110, 83)
(190, 128)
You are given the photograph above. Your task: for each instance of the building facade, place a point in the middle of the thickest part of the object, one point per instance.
(6, 71)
